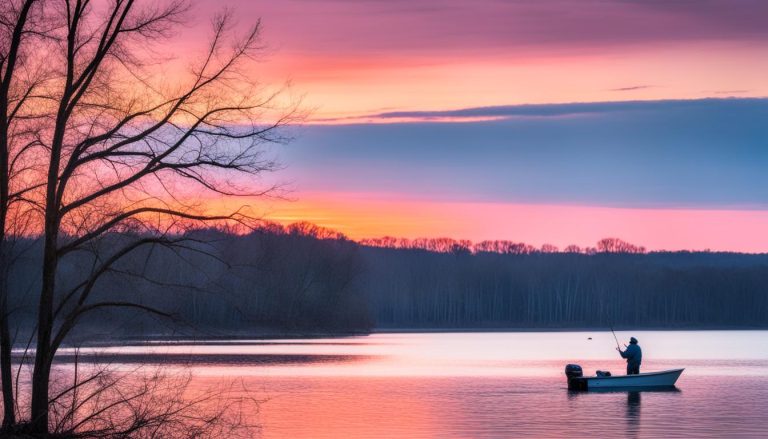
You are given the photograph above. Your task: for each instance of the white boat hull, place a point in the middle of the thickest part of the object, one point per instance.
(666, 378)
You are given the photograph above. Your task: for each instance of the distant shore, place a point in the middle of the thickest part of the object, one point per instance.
(250, 337)
(563, 329)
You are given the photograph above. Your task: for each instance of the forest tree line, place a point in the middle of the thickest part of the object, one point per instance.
(303, 278)
(423, 289)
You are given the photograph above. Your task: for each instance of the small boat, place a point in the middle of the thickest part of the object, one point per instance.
(649, 380)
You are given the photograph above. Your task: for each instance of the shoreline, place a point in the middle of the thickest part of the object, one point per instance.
(256, 337)
(562, 329)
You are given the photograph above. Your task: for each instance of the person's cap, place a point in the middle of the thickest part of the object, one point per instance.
(632, 340)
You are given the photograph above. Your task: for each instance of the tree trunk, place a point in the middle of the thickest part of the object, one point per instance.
(43, 354)
(9, 412)
(6, 374)
(9, 416)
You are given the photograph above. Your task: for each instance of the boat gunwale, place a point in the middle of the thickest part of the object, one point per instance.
(663, 372)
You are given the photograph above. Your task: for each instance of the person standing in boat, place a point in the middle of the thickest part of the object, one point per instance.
(634, 356)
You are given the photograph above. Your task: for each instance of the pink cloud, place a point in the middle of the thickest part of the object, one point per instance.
(376, 27)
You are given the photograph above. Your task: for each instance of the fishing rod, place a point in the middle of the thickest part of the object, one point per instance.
(615, 338)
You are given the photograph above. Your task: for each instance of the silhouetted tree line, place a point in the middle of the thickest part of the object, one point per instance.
(305, 278)
(288, 279)
(421, 288)
(449, 245)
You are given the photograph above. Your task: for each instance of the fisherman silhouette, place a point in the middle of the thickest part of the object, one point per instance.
(634, 356)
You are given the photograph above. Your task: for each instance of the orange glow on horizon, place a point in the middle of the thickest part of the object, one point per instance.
(360, 215)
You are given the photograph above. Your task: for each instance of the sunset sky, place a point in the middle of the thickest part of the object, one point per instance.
(539, 121)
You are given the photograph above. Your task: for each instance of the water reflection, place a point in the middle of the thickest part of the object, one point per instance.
(607, 401)
(202, 359)
(633, 412)
(481, 385)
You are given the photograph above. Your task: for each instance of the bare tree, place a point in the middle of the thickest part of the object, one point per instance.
(616, 245)
(97, 400)
(21, 24)
(123, 147)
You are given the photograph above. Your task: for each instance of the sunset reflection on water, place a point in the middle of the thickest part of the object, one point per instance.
(479, 385)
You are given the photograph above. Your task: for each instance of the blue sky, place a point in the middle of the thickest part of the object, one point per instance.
(709, 153)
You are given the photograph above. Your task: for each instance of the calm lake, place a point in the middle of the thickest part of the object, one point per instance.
(483, 385)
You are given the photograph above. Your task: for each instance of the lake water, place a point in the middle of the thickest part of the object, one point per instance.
(483, 385)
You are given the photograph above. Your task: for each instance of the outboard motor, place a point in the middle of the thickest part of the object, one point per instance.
(573, 371)
(575, 377)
